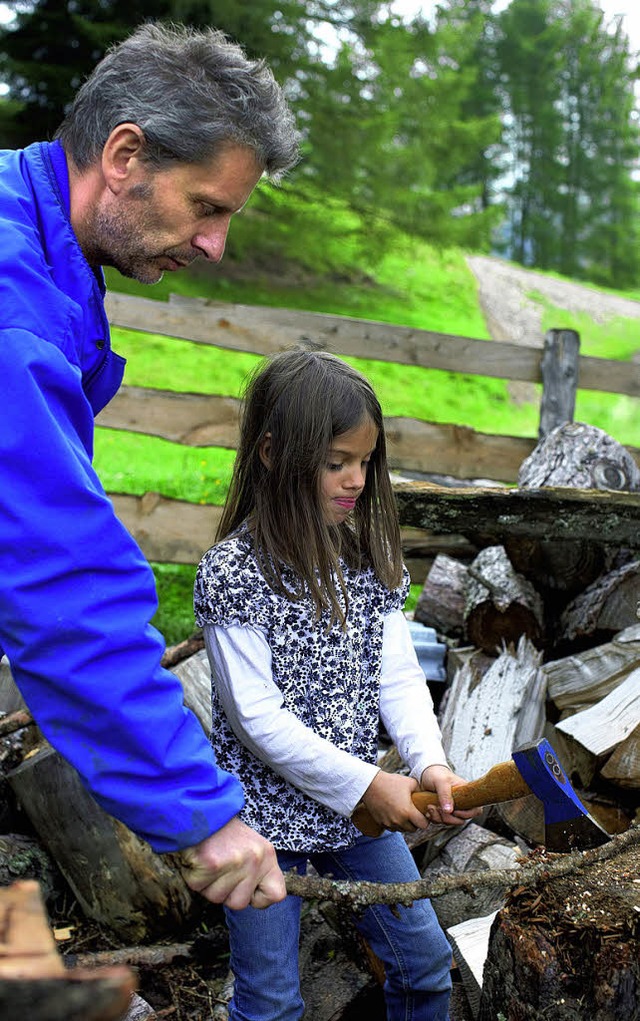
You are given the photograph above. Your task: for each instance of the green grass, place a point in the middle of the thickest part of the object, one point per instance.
(137, 464)
(174, 585)
(414, 285)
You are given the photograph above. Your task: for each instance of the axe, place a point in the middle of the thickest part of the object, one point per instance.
(533, 769)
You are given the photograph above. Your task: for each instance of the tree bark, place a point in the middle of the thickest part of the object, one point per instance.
(501, 605)
(607, 606)
(116, 877)
(559, 369)
(581, 457)
(441, 602)
(567, 949)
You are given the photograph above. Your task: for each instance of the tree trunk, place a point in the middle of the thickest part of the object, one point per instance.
(568, 949)
(116, 877)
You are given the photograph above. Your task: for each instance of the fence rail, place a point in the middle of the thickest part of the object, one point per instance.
(178, 532)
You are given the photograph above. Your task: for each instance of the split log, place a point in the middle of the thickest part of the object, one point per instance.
(623, 766)
(582, 457)
(475, 660)
(568, 948)
(194, 674)
(116, 877)
(494, 513)
(607, 606)
(605, 725)
(503, 709)
(509, 691)
(34, 983)
(581, 679)
(501, 606)
(442, 600)
(421, 548)
(470, 944)
(27, 946)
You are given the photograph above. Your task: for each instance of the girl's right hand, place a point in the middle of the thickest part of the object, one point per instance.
(388, 798)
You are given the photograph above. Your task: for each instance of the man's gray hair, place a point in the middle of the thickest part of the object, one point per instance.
(190, 91)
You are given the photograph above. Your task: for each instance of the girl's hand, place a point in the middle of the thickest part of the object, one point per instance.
(441, 780)
(388, 798)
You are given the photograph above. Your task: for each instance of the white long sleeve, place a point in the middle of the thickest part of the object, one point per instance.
(240, 659)
(406, 705)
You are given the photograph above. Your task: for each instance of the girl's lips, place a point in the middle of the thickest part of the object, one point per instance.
(347, 503)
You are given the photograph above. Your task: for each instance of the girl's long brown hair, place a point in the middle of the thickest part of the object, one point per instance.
(304, 400)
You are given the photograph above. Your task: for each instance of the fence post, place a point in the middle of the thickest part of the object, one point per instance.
(559, 368)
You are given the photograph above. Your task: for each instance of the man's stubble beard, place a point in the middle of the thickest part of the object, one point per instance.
(117, 241)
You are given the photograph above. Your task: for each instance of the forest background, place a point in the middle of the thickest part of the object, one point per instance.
(512, 132)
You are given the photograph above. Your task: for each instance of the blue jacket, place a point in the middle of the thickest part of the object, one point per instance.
(76, 594)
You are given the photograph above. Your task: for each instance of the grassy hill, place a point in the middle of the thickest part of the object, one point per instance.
(412, 285)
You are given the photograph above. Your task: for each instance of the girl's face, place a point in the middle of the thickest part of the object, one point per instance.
(343, 477)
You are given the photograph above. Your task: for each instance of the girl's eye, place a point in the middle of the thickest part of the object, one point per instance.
(333, 467)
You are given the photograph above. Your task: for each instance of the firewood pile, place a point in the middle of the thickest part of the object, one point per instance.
(543, 638)
(543, 641)
(539, 638)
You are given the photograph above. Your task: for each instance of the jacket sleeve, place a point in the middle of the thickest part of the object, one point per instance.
(76, 598)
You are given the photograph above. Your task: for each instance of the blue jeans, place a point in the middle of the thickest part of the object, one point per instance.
(412, 946)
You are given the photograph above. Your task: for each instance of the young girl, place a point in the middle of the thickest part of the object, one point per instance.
(301, 602)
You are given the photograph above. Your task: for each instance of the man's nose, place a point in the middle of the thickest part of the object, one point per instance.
(212, 239)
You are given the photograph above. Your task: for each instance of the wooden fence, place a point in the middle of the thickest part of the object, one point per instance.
(175, 531)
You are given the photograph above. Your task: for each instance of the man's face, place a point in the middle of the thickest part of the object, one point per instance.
(164, 220)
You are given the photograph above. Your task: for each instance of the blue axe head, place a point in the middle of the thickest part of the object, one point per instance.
(568, 824)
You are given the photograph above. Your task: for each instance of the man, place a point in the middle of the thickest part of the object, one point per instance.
(163, 144)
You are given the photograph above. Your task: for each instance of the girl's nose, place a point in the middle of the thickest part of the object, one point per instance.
(356, 478)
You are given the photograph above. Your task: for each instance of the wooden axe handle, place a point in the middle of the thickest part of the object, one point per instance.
(501, 783)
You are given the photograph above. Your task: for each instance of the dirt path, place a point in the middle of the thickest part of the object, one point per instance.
(512, 315)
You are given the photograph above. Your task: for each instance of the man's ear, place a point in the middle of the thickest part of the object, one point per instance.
(265, 450)
(121, 156)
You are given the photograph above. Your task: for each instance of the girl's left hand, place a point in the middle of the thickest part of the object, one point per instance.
(441, 780)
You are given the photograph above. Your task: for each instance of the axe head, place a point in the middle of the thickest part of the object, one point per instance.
(568, 824)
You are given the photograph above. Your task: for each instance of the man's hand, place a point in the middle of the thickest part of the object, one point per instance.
(236, 867)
